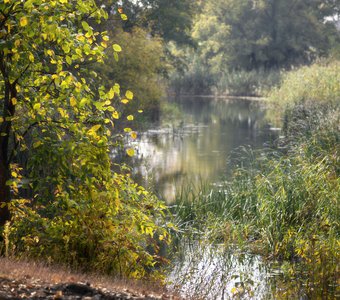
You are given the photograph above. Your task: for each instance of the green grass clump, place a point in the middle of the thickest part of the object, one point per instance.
(318, 83)
(283, 205)
(315, 86)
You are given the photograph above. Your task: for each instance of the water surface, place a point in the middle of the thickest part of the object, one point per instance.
(197, 145)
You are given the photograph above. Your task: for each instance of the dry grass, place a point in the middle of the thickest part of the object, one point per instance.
(39, 271)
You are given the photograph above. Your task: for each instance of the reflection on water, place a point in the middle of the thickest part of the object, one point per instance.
(210, 272)
(197, 148)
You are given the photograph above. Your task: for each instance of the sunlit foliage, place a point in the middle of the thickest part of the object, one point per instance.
(57, 128)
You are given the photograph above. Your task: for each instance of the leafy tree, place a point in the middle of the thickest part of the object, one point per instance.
(141, 67)
(250, 34)
(170, 20)
(56, 130)
(45, 47)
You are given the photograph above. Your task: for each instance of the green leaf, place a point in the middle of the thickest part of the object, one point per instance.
(68, 60)
(85, 25)
(117, 48)
(36, 106)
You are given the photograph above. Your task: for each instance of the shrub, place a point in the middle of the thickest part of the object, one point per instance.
(114, 229)
(83, 214)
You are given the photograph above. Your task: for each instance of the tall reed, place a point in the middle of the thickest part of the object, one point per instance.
(283, 205)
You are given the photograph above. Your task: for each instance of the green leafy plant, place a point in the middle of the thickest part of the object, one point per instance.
(61, 199)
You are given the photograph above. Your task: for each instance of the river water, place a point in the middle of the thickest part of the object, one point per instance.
(197, 144)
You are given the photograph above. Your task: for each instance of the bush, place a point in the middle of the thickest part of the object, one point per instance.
(113, 230)
(84, 215)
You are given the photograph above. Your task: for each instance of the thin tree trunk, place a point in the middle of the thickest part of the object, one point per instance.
(8, 111)
(5, 193)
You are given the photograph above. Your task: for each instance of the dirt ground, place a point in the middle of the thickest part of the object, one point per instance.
(30, 280)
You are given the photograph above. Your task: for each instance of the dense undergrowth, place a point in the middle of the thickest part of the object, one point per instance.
(116, 230)
(284, 204)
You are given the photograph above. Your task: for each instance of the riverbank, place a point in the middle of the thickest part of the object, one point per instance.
(227, 97)
(32, 280)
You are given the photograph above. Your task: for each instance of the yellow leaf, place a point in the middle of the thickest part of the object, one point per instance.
(14, 174)
(127, 129)
(1, 119)
(111, 93)
(73, 101)
(36, 106)
(130, 152)
(140, 111)
(133, 134)
(14, 101)
(83, 102)
(130, 117)
(125, 101)
(115, 115)
(129, 95)
(23, 22)
(62, 112)
(37, 144)
(9, 27)
(31, 57)
(95, 127)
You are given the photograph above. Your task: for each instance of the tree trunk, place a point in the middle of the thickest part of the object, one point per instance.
(8, 111)
(5, 193)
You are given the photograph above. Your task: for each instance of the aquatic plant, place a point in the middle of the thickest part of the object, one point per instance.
(283, 205)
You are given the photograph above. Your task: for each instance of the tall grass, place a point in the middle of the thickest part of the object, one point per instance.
(248, 83)
(285, 203)
(319, 82)
(284, 206)
(199, 80)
